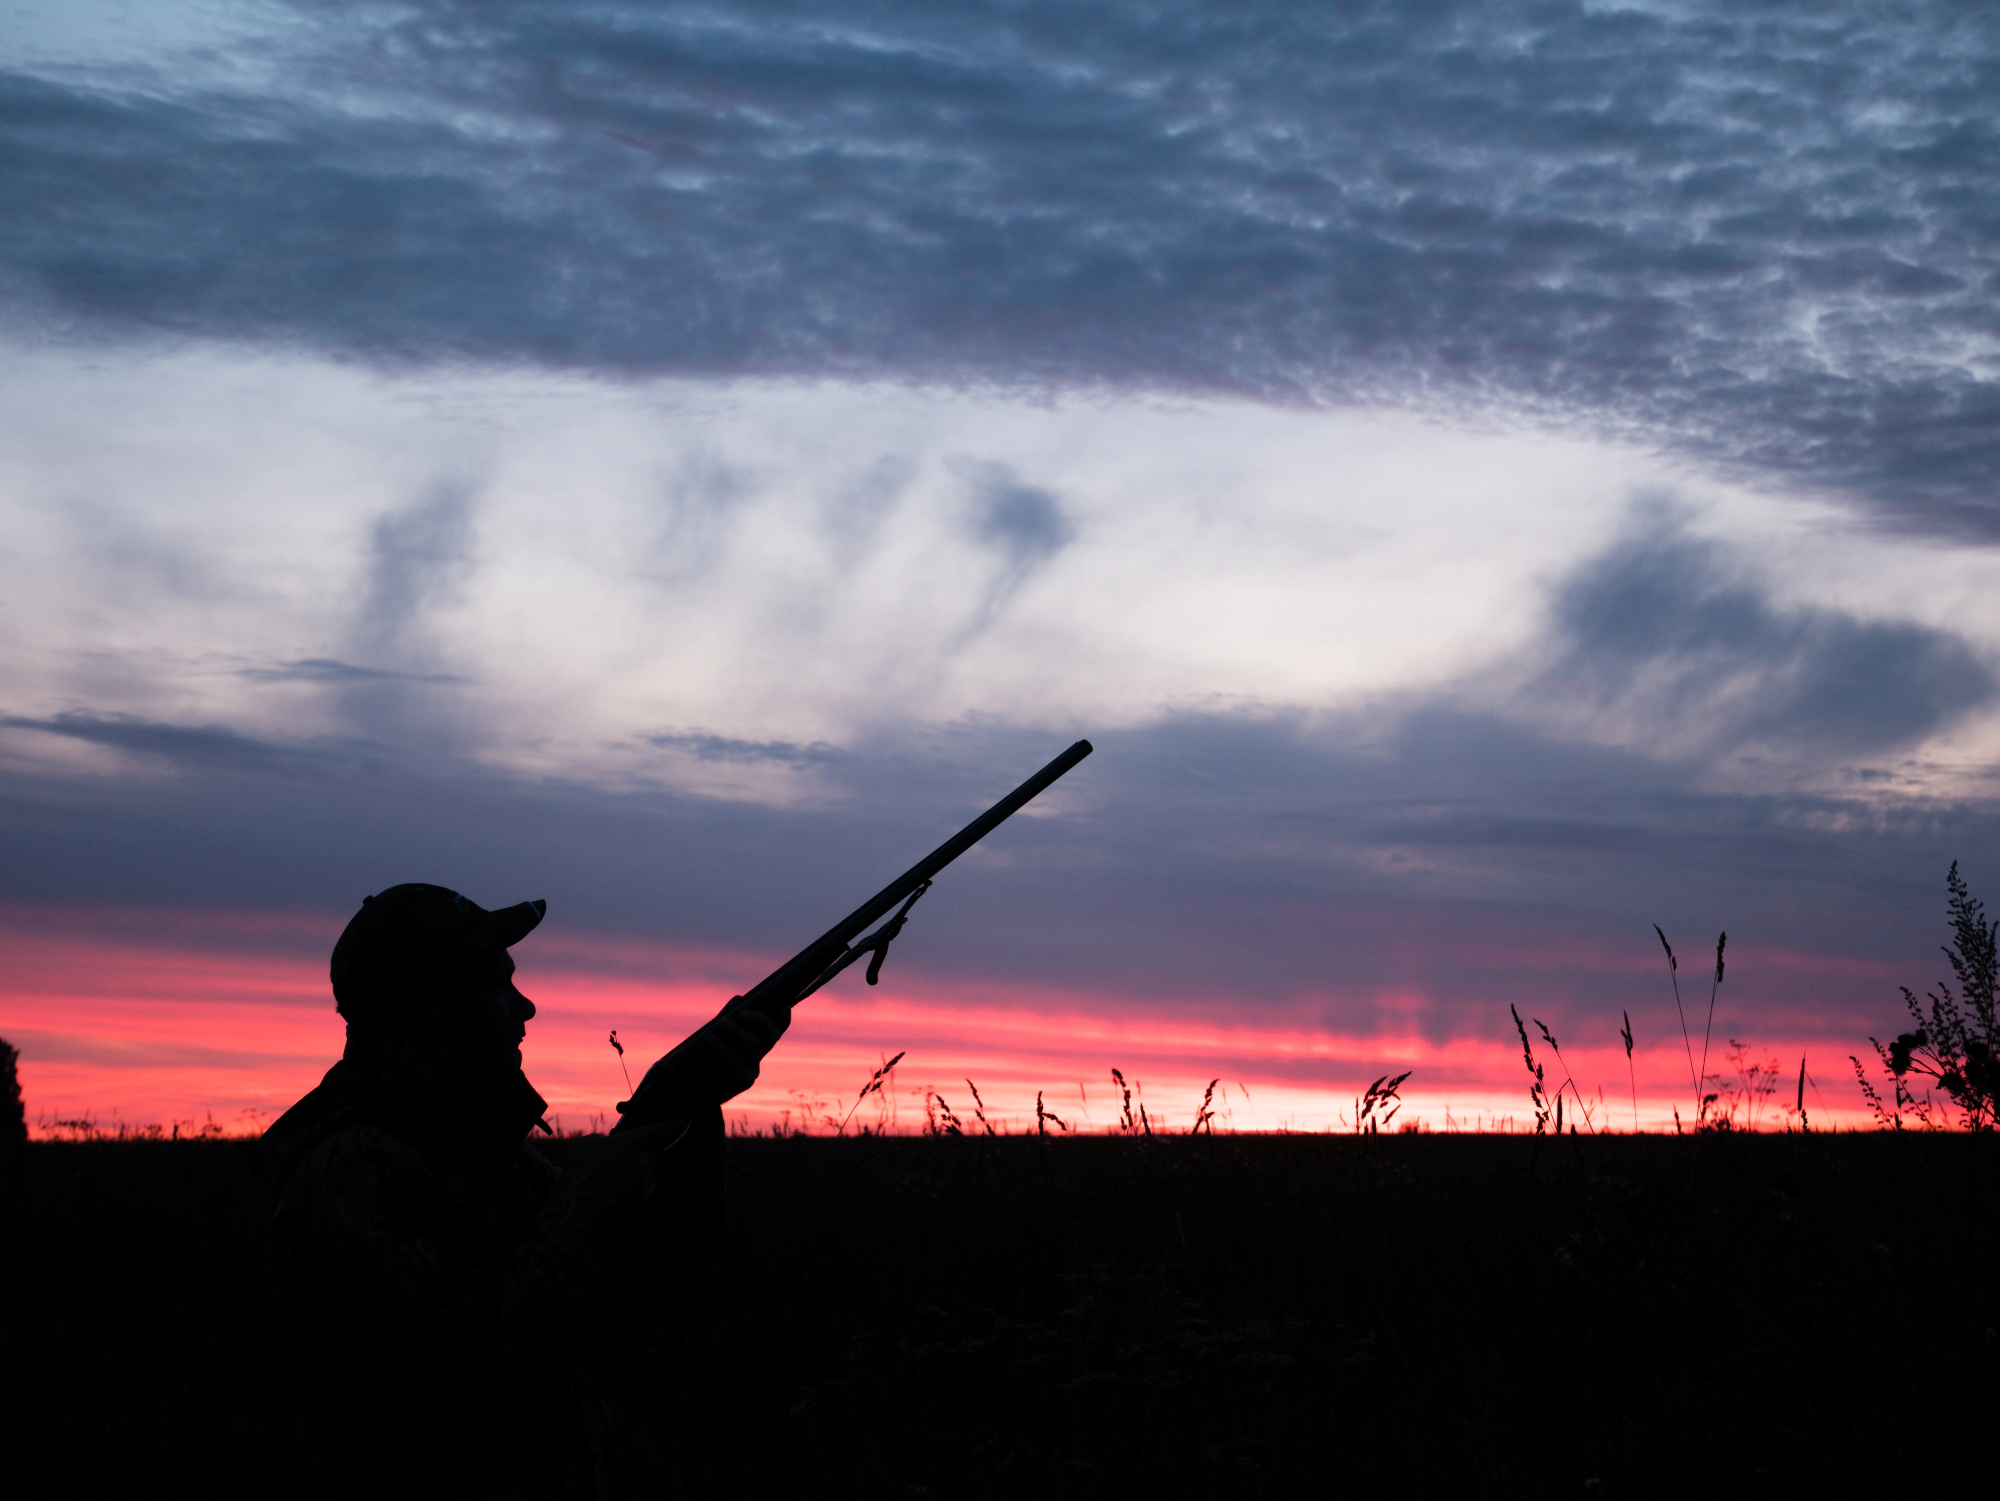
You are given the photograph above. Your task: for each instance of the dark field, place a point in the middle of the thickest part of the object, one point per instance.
(1144, 1317)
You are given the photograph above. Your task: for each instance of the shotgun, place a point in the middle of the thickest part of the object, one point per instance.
(657, 1097)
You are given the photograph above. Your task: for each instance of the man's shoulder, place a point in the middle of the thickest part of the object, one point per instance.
(343, 1139)
(372, 1163)
(356, 1172)
(345, 1094)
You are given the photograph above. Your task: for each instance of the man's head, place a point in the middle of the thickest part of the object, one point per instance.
(423, 960)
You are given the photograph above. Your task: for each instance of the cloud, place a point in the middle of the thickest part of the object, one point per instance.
(721, 748)
(418, 563)
(1026, 524)
(854, 513)
(327, 670)
(1669, 637)
(186, 747)
(1407, 873)
(1023, 525)
(694, 514)
(417, 556)
(1755, 235)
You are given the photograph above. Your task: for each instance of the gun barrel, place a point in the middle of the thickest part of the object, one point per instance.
(795, 974)
(786, 984)
(879, 905)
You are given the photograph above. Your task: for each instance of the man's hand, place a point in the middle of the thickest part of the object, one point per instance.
(720, 1059)
(716, 1062)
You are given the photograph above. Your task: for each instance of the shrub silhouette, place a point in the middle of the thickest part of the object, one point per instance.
(1956, 1044)
(13, 1116)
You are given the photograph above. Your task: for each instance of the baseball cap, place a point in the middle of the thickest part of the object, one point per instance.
(422, 934)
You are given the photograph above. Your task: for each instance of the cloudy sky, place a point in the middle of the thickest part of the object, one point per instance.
(1487, 479)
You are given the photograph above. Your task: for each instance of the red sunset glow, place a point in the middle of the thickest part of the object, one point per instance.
(118, 1028)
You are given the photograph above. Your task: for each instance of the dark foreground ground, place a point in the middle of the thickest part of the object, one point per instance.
(1152, 1317)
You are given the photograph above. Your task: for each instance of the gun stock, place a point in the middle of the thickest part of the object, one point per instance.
(835, 949)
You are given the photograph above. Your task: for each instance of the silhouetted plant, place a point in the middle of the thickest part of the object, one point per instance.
(1381, 1092)
(1708, 1027)
(1126, 1122)
(1696, 1074)
(13, 1115)
(1960, 1051)
(1568, 1079)
(619, 1048)
(1738, 1102)
(874, 1086)
(1631, 1074)
(1889, 1114)
(812, 1112)
(1205, 1116)
(979, 1109)
(1538, 1088)
(1043, 1116)
(939, 1118)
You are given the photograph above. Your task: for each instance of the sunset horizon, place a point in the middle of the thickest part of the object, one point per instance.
(123, 1032)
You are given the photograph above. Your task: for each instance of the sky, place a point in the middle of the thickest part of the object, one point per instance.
(1488, 480)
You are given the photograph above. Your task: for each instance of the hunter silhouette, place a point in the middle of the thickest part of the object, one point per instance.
(451, 1293)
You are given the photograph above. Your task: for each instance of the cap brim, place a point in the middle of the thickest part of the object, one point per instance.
(511, 924)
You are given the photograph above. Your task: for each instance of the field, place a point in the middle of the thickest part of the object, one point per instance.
(1144, 1316)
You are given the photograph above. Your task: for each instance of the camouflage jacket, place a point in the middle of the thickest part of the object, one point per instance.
(452, 1293)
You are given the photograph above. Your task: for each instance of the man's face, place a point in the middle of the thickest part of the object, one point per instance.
(495, 1013)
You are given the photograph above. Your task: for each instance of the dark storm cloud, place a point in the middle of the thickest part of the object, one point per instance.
(1671, 628)
(1764, 235)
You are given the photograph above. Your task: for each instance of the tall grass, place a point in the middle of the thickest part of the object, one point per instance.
(876, 1081)
(1379, 1094)
(1631, 1074)
(1697, 1074)
(1538, 1093)
(1205, 1115)
(249, 1126)
(619, 1048)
